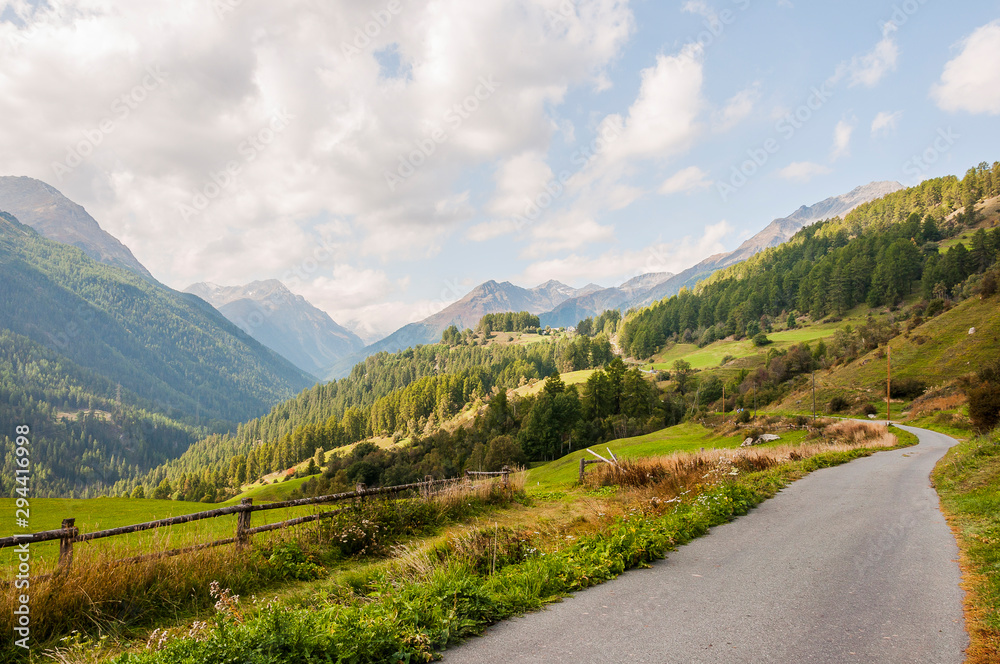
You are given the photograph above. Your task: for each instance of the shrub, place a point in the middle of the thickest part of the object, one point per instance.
(838, 404)
(934, 307)
(907, 388)
(869, 409)
(743, 417)
(984, 397)
(760, 339)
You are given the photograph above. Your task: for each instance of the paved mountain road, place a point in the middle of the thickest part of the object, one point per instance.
(849, 564)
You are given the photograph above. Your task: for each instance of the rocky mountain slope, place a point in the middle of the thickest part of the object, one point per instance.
(283, 321)
(45, 209)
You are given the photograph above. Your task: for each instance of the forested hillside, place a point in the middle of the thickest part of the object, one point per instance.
(410, 393)
(161, 367)
(879, 254)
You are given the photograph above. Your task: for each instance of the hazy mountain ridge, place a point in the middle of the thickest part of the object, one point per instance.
(574, 310)
(778, 231)
(490, 297)
(283, 321)
(56, 217)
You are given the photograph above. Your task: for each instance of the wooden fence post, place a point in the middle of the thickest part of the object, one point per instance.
(243, 525)
(429, 479)
(66, 544)
(468, 478)
(583, 468)
(359, 489)
(506, 476)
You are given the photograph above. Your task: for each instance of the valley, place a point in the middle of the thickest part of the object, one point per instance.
(699, 373)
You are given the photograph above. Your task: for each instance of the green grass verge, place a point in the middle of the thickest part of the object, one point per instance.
(685, 437)
(382, 618)
(968, 481)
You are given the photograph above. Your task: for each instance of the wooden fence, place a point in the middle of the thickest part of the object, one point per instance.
(69, 534)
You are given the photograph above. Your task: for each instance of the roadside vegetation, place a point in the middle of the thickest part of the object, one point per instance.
(404, 597)
(968, 481)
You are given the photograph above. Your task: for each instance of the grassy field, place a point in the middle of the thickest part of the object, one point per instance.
(968, 481)
(712, 355)
(686, 437)
(570, 378)
(102, 513)
(936, 352)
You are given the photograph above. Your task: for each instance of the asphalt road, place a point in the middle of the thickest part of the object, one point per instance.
(849, 564)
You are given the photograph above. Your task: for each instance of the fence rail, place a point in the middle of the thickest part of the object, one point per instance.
(70, 534)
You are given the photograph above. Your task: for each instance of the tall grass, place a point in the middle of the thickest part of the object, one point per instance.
(679, 472)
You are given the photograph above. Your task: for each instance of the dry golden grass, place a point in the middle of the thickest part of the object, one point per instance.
(935, 403)
(683, 471)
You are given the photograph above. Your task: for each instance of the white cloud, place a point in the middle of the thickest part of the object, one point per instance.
(842, 139)
(700, 7)
(689, 179)
(565, 232)
(885, 123)
(663, 120)
(971, 81)
(519, 180)
(737, 107)
(868, 69)
(803, 171)
(618, 266)
(224, 79)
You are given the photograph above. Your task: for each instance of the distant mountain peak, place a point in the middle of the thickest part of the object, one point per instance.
(283, 321)
(48, 211)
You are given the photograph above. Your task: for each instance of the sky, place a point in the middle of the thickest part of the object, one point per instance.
(383, 157)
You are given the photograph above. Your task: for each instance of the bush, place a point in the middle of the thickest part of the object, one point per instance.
(988, 286)
(838, 404)
(760, 339)
(984, 398)
(743, 417)
(934, 307)
(869, 409)
(984, 406)
(907, 388)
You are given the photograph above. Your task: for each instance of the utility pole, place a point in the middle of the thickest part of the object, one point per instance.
(888, 385)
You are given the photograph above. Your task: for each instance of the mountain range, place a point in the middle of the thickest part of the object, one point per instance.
(307, 337)
(283, 321)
